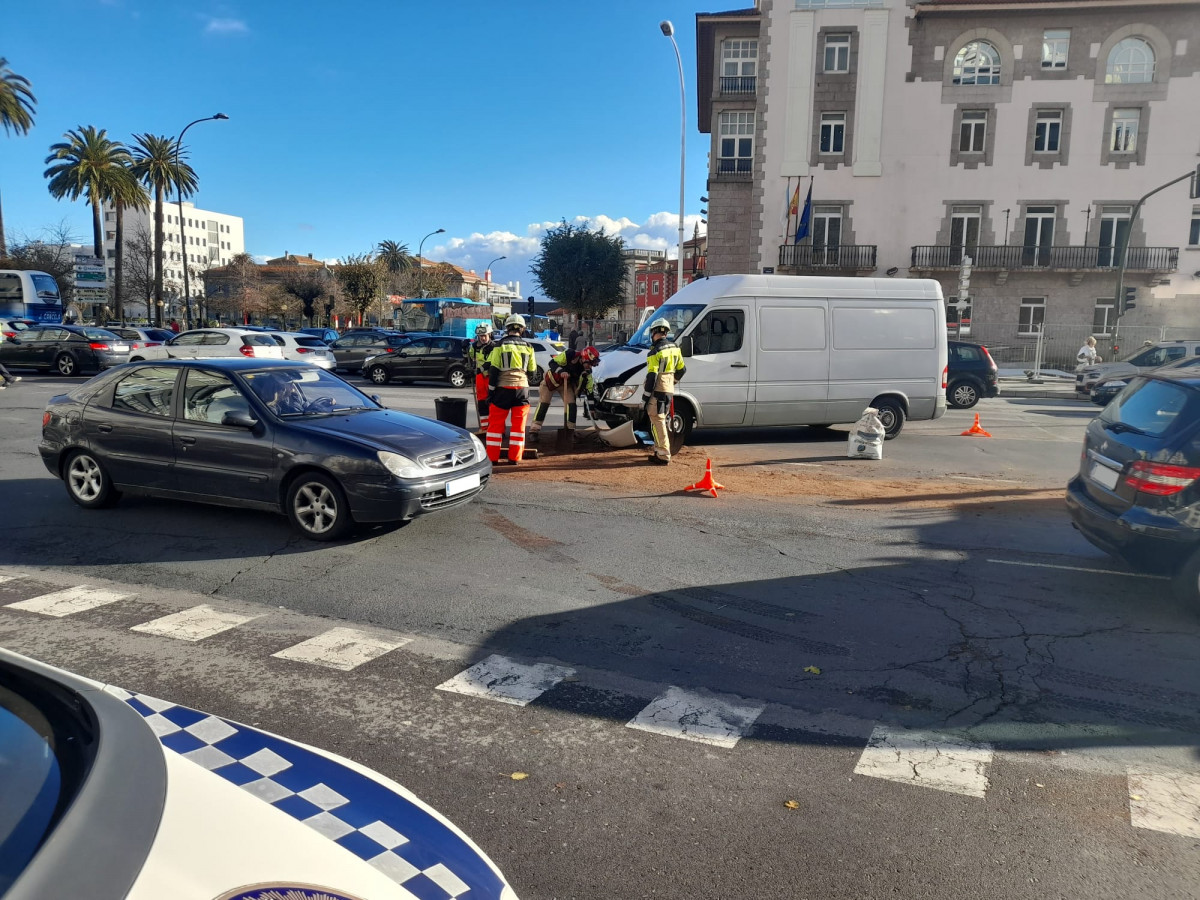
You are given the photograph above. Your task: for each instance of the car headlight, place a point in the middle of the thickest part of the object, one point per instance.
(1113, 384)
(480, 450)
(400, 466)
(368, 361)
(618, 394)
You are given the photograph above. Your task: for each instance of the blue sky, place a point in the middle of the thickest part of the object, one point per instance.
(361, 121)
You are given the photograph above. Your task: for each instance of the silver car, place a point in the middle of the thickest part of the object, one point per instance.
(204, 343)
(304, 348)
(1147, 359)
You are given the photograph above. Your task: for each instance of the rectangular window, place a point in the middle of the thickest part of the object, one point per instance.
(739, 58)
(736, 144)
(1104, 316)
(837, 53)
(1047, 131)
(1125, 130)
(1055, 42)
(833, 132)
(1194, 233)
(1033, 315)
(972, 133)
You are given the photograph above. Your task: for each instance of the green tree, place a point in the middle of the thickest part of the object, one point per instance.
(157, 166)
(580, 270)
(87, 164)
(16, 113)
(363, 279)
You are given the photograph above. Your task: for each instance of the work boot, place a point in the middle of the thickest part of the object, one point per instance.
(658, 461)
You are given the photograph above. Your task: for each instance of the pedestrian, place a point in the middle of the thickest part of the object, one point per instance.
(570, 374)
(571, 339)
(1087, 355)
(481, 349)
(580, 342)
(174, 326)
(664, 367)
(9, 378)
(510, 364)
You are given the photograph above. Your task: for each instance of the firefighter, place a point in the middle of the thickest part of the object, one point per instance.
(570, 374)
(664, 367)
(509, 366)
(481, 348)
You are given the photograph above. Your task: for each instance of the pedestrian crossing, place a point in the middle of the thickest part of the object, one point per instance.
(1159, 799)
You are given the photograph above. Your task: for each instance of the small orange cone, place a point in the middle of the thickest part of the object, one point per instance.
(706, 483)
(975, 430)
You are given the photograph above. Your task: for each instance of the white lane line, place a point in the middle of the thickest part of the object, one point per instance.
(503, 679)
(926, 759)
(193, 624)
(695, 716)
(342, 648)
(72, 600)
(1032, 565)
(1165, 801)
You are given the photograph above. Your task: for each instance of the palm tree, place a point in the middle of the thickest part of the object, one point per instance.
(16, 114)
(125, 192)
(157, 165)
(395, 257)
(86, 164)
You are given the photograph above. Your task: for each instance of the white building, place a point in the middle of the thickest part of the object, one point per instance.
(1020, 134)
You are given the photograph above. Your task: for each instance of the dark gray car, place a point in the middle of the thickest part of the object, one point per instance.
(351, 350)
(65, 349)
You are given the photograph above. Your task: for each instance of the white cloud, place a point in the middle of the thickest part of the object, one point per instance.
(225, 26)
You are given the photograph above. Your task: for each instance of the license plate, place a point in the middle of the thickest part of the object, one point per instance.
(459, 485)
(120, 348)
(1103, 476)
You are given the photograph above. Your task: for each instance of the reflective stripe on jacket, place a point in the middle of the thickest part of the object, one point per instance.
(568, 362)
(664, 366)
(511, 363)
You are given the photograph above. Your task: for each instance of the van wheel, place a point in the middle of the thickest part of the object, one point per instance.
(963, 395)
(891, 414)
(680, 425)
(1187, 582)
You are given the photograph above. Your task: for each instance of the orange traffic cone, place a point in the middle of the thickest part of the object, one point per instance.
(706, 483)
(975, 430)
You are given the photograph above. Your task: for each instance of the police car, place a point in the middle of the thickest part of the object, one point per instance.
(113, 794)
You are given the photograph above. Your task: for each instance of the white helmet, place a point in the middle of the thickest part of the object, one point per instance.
(660, 324)
(481, 330)
(514, 321)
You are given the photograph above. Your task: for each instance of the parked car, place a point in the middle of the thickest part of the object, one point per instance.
(423, 359)
(65, 349)
(351, 350)
(972, 374)
(328, 335)
(261, 434)
(111, 794)
(1137, 494)
(304, 348)
(205, 343)
(139, 337)
(1107, 388)
(12, 327)
(1144, 360)
(543, 352)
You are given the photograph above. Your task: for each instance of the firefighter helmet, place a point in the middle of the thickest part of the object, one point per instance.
(481, 330)
(660, 325)
(589, 355)
(514, 321)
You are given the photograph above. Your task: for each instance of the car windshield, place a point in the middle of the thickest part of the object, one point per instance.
(1152, 407)
(679, 315)
(294, 393)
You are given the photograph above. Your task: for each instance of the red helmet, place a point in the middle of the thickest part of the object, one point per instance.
(589, 355)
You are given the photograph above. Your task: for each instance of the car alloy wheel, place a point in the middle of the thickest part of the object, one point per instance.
(65, 365)
(963, 394)
(457, 377)
(88, 483)
(379, 374)
(318, 508)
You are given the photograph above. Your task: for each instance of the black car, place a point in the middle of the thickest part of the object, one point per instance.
(353, 348)
(972, 374)
(425, 359)
(1137, 494)
(65, 349)
(328, 335)
(262, 434)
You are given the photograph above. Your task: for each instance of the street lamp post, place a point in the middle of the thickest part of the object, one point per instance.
(487, 273)
(187, 296)
(421, 259)
(669, 30)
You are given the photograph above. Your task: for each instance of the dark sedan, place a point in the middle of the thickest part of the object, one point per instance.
(351, 349)
(428, 359)
(65, 349)
(280, 436)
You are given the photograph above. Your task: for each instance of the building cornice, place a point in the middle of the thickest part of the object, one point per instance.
(950, 7)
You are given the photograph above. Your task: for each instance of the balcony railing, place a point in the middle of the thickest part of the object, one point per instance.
(743, 85)
(735, 169)
(1137, 259)
(842, 256)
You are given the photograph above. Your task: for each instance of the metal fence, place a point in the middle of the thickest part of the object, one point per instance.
(1054, 346)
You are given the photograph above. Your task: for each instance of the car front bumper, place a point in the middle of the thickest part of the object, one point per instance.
(1140, 536)
(388, 499)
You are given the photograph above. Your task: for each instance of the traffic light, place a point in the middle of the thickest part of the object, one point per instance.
(1129, 300)
(529, 306)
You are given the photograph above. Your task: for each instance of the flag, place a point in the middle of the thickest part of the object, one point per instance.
(806, 216)
(791, 204)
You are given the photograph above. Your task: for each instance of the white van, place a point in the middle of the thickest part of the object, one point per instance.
(765, 350)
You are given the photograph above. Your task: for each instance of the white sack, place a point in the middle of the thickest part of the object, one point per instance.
(866, 437)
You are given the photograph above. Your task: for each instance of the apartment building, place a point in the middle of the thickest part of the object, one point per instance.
(1020, 134)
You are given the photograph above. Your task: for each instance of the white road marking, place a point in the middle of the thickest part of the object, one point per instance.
(1032, 565)
(72, 600)
(695, 716)
(503, 679)
(926, 759)
(344, 649)
(1165, 801)
(193, 624)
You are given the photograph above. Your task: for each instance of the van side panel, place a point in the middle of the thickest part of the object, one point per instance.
(881, 347)
(792, 363)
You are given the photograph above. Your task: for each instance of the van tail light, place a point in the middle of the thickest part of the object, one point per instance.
(945, 376)
(1159, 479)
(98, 345)
(246, 350)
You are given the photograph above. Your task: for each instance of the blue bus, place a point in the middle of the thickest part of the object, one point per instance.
(29, 295)
(451, 316)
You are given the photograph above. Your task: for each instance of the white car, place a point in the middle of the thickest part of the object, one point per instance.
(113, 795)
(304, 348)
(543, 352)
(210, 342)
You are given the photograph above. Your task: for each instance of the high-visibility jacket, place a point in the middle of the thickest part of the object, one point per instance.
(480, 351)
(664, 367)
(511, 363)
(568, 364)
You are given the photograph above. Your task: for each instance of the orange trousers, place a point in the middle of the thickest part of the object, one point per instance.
(516, 435)
(482, 389)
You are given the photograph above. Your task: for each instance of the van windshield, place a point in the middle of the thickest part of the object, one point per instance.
(679, 315)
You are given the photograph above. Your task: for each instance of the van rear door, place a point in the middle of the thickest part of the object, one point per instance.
(792, 363)
(717, 350)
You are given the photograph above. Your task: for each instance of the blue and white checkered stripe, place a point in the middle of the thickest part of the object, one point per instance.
(376, 824)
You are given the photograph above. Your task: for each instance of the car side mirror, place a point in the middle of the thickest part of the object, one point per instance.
(685, 346)
(375, 397)
(239, 420)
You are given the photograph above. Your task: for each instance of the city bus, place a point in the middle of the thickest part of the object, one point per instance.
(29, 295)
(451, 316)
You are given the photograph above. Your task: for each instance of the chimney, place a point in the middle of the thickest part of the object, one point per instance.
(310, 256)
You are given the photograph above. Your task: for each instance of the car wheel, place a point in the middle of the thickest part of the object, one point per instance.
(963, 394)
(457, 376)
(536, 379)
(379, 374)
(891, 414)
(1187, 582)
(66, 365)
(88, 483)
(317, 507)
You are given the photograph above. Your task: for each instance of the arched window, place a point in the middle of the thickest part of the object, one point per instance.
(977, 63)
(1131, 61)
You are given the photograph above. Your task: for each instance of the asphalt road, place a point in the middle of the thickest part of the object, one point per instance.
(958, 694)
